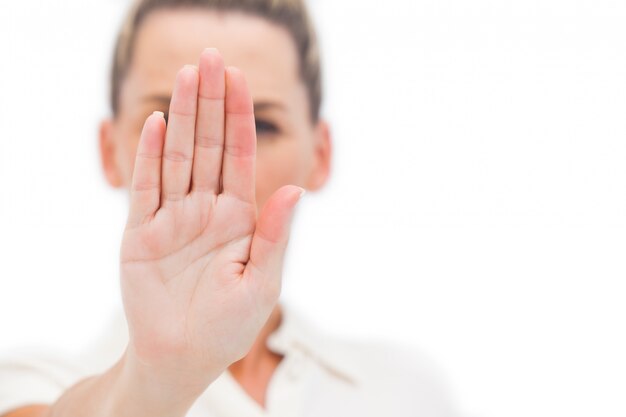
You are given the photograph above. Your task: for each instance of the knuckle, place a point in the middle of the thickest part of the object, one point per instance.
(139, 187)
(177, 156)
(205, 141)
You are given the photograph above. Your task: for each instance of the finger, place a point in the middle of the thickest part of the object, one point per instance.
(145, 192)
(207, 157)
(270, 239)
(179, 139)
(240, 139)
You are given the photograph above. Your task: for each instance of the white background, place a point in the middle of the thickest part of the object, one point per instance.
(476, 211)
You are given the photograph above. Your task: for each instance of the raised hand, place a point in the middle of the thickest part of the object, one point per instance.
(200, 271)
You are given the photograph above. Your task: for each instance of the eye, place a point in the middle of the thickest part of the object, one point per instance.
(262, 126)
(265, 127)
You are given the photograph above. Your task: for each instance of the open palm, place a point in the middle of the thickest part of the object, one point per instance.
(201, 272)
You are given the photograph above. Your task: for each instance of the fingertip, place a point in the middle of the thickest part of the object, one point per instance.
(188, 76)
(188, 68)
(158, 116)
(282, 205)
(153, 133)
(211, 56)
(238, 98)
(292, 193)
(185, 92)
(235, 79)
(156, 119)
(212, 79)
(234, 71)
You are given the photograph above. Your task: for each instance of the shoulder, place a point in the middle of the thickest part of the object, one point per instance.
(385, 378)
(399, 376)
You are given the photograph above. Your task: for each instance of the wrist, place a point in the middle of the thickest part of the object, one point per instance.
(141, 390)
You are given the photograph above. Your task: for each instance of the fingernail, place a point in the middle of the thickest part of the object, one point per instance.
(302, 192)
(159, 113)
(233, 70)
(211, 50)
(189, 66)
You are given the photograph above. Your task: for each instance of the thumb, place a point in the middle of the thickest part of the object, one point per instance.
(271, 236)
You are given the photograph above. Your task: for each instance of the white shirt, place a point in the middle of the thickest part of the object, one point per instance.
(319, 376)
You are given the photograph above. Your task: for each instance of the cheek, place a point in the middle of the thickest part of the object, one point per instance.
(279, 163)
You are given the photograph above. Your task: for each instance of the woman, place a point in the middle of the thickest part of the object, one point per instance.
(212, 193)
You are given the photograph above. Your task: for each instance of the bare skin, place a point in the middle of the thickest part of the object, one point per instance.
(211, 201)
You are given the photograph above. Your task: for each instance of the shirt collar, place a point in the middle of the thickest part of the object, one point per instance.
(295, 332)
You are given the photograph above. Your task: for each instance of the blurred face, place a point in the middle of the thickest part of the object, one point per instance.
(290, 150)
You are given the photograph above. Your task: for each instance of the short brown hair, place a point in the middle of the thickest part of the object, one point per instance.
(289, 14)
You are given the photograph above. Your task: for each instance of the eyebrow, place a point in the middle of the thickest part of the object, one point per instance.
(258, 106)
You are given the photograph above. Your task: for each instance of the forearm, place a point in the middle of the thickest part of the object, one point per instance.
(121, 392)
